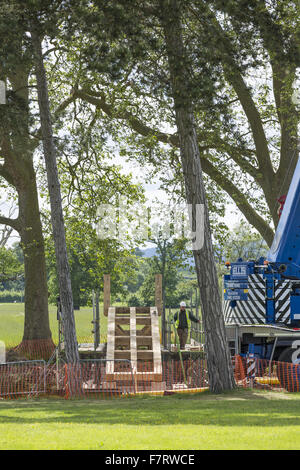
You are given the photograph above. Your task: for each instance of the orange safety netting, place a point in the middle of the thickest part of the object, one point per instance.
(32, 349)
(261, 373)
(98, 379)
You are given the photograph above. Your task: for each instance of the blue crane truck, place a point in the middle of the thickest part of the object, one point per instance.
(262, 297)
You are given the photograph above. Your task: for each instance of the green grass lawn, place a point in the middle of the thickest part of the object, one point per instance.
(239, 420)
(12, 324)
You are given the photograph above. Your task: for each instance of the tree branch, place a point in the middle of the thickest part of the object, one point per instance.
(63, 105)
(138, 126)
(14, 223)
(238, 197)
(134, 122)
(234, 76)
(240, 200)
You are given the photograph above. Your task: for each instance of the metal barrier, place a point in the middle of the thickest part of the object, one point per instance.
(97, 376)
(92, 378)
(22, 378)
(197, 333)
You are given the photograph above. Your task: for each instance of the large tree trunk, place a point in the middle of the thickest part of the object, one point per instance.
(218, 357)
(65, 289)
(18, 170)
(37, 340)
(36, 291)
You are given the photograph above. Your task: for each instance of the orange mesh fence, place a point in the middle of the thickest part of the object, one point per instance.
(101, 378)
(31, 350)
(121, 378)
(262, 373)
(239, 371)
(289, 376)
(188, 374)
(22, 378)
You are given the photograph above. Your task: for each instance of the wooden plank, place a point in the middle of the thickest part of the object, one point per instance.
(106, 293)
(143, 320)
(142, 310)
(138, 310)
(145, 355)
(156, 341)
(146, 331)
(123, 354)
(123, 320)
(138, 376)
(123, 310)
(158, 293)
(144, 341)
(110, 340)
(133, 345)
(119, 330)
(122, 341)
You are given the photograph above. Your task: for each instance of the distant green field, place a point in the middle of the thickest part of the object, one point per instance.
(12, 323)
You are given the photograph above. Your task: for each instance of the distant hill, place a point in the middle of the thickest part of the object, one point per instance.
(149, 252)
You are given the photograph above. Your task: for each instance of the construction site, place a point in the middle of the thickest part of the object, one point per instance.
(136, 360)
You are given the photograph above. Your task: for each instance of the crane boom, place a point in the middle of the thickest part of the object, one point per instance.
(285, 248)
(268, 291)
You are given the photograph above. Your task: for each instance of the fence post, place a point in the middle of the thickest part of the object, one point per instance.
(67, 391)
(251, 368)
(96, 319)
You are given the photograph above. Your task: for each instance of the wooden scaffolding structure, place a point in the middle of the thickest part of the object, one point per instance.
(133, 335)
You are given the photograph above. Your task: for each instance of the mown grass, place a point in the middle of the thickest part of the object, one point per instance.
(239, 420)
(12, 324)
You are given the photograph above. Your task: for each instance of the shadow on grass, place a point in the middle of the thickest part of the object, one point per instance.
(241, 408)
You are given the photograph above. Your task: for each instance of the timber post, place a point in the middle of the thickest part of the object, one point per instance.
(158, 293)
(106, 294)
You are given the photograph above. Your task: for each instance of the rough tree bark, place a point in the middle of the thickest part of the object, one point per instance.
(18, 171)
(57, 219)
(36, 293)
(218, 357)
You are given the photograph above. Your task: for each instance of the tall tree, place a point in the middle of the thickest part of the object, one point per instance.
(57, 218)
(218, 357)
(19, 142)
(17, 170)
(246, 129)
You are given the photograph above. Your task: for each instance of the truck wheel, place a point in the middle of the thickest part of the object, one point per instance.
(288, 373)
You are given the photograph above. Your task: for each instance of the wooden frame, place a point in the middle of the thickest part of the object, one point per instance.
(117, 337)
(158, 294)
